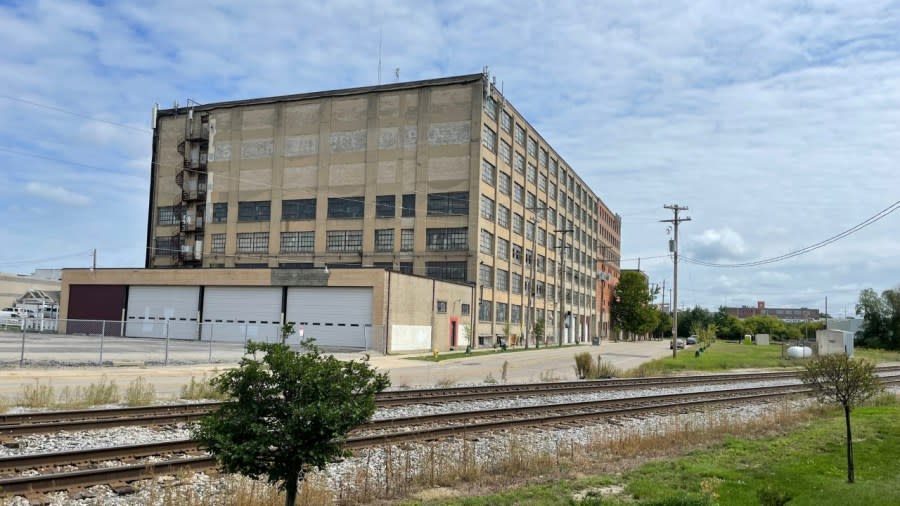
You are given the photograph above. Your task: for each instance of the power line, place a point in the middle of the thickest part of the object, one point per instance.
(48, 259)
(73, 113)
(60, 160)
(821, 244)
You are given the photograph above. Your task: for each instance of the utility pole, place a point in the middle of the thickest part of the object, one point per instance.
(531, 288)
(673, 247)
(562, 296)
(603, 277)
(93, 259)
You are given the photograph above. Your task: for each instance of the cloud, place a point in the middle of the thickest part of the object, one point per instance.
(717, 245)
(57, 194)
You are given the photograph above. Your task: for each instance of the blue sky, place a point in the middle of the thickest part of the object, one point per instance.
(777, 123)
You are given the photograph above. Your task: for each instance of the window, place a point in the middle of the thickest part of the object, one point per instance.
(385, 206)
(532, 146)
(501, 312)
(302, 209)
(502, 216)
(345, 207)
(441, 306)
(551, 217)
(541, 263)
(542, 237)
(253, 242)
(532, 173)
(166, 216)
(486, 242)
(529, 230)
(517, 254)
(168, 245)
(551, 292)
(542, 182)
(384, 239)
(553, 166)
(488, 138)
(488, 172)
(217, 243)
(505, 185)
(551, 267)
(451, 271)
(502, 248)
(520, 135)
(444, 239)
(406, 239)
(406, 267)
(551, 191)
(344, 240)
(542, 157)
(484, 311)
(487, 208)
(220, 212)
(254, 211)
(505, 151)
(448, 204)
(505, 121)
(502, 280)
(529, 256)
(518, 223)
(530, 201)
(409, 206)
(490, 107)
(518, 193)
(516, 283)
(298, 242)
(519, 163)
(515, 314)
(384, 265)
(485, 275)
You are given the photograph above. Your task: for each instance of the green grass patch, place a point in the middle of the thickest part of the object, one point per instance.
(722, 355)
(876, 355)
(808, 466)
(455, 355)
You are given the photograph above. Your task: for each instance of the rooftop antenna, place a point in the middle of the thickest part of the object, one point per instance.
(397, 75)
(380, 33)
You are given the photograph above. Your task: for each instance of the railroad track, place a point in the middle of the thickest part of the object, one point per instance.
(429, 428)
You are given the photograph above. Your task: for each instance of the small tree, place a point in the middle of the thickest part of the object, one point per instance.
(289, 412)
(838, 378)
(287, 330)
(538, 331)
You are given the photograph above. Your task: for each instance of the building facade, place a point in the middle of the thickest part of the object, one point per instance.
(790, 315)
(441, 178)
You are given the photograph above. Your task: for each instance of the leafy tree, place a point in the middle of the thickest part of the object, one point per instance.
(881, 315)
(289, 412)
(838, 378)
(728, 326)
(663, 324)
(688, 319)
(538, 331)
(630, 308)
(765, 324)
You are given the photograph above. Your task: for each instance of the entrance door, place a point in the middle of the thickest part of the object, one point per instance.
(453, 327)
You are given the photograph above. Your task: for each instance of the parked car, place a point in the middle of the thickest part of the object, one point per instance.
(678, 342)
(692, 340)
(8, 313)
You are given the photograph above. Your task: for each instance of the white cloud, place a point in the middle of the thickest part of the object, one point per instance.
(717, 245)
(56, 193)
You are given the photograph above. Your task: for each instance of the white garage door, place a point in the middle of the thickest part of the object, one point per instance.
(239, 313)
(334, 317)
(155, 311)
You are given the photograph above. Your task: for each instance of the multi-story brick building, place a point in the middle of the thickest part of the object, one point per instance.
(782, 313)
(442, 178)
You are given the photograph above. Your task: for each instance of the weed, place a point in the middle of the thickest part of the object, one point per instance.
(768, 496)
(583, 364)
(604, 369)
(504, 370)
(203, 389)
(548, 376)
(489, 379)
(445, 382)
(140, 393)
(103, 392)
(36, 396)
(4, 404)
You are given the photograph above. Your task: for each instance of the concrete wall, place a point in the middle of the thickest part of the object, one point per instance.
(830, 342)
(13, 286)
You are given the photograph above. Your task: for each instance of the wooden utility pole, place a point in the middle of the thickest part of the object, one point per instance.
(673, 247)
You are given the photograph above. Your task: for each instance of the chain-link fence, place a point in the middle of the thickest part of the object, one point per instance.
(48, 342)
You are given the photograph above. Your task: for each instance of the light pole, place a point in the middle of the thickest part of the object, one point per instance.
(531, 289)
(603, 275)
(562, 296)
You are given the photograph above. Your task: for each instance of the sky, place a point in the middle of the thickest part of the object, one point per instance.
(776, 123)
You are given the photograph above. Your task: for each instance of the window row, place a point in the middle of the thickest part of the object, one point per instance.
(304, 242)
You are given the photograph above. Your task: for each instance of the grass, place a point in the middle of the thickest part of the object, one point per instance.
(140, 393)
(722, 355)
(807, 464)
(876, 355)
(201, 390)
(455, 355)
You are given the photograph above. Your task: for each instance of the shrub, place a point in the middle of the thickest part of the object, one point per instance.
(583, 363)
(36, 396)
(104, 392)
(203, 389)
(140, 393)
(768, 496)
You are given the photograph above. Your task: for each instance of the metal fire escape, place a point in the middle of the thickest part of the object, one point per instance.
(190, 204)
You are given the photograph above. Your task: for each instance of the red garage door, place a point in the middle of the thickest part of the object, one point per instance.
(96, 303)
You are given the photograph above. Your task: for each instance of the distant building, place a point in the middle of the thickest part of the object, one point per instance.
(790, 315)
(14, 286)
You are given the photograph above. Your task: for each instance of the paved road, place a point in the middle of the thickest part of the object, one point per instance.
(72, 361)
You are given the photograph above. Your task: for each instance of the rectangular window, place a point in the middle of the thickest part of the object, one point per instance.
(406, 267)
(502, 280)
(542, 157)
(254, 211)
(487, 208)
(488, 138)
(519, 164)
(516, 283)
(166, 216)
(532, 146)
(384, 239)
(385, 206)
(253, 242)
(551, 267)
(217, 243)
(541, 263)
(515, 314)
(542, 182)
(532, 173)
(517, 254)
(502, 216)
(441, 306)
(505, 121)
(409, 206)
(551, 191)
(486, 242)
(551, 217)
(529, 256)
(490, 107)
(220, 212)
(447, 239)
(451, 271)
(551, 292)
(488, 172)
(501, 312)
(505, 185)
(553, 167)
(344, 240)
(530, 201)
(518, 193)
(346, 207)
(520, 135)
(502, 248)
(298, 242)
(448, 204)
(505, 151)
(529, 230)
(301, 209)
(485, 275)
(406, 239)
(484, 311)
(518, 223)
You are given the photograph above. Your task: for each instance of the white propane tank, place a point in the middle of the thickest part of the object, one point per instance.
(799, 352)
